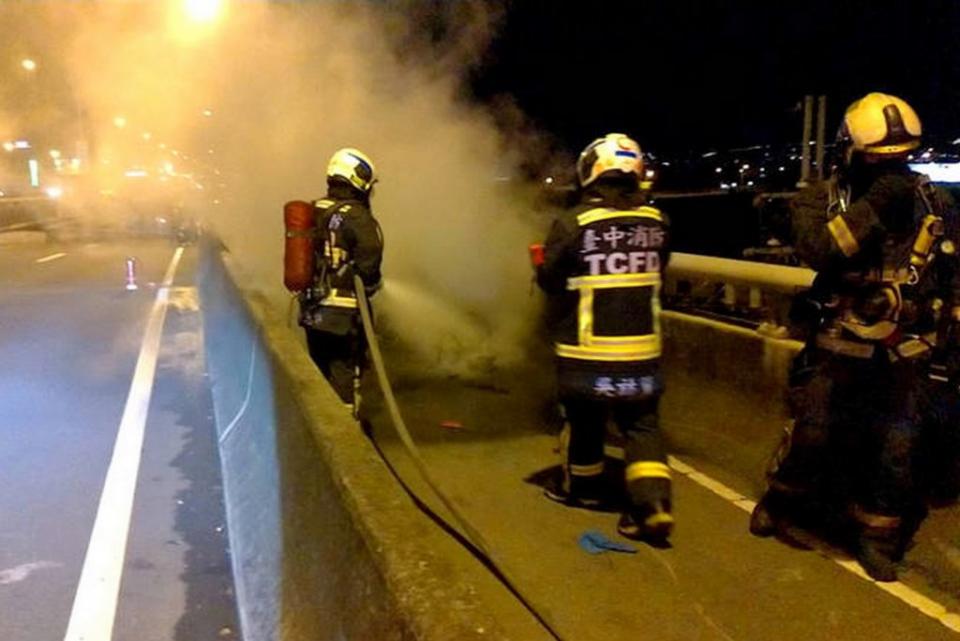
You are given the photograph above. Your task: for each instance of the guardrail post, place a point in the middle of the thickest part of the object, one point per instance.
(729, 295)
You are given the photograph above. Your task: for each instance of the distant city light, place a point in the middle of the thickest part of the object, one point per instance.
(55, 153)
(135, 173)
(208, 112)
(34, 167)
(8, 146)
(939, 172)
(650, 173)
(719, 170)
(119, 122)
(21, 144)
(54, 192)
(147, 135)
(28, 64)
(548, 180)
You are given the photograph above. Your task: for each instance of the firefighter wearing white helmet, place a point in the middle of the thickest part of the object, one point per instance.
(602, 270)
(882, 240)
(349, 242)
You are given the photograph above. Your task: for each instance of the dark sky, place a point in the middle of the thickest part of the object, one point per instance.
(685, 74)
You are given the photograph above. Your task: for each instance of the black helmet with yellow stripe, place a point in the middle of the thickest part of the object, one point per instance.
(881, 125)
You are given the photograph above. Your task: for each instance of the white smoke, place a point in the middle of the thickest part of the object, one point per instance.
(286, 84)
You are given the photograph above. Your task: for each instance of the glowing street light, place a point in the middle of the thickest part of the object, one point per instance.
(28, 64)
(203, 10)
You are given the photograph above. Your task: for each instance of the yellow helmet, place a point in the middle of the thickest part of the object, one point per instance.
(881, 124)
(352, 166)
(613, 153)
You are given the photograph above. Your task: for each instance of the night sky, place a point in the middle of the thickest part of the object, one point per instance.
(687, 74)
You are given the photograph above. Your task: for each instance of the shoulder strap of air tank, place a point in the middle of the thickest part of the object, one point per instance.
(929, 196)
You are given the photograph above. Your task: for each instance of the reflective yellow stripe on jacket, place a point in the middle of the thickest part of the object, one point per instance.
(613, 348)
(334, 299)
(596, 215)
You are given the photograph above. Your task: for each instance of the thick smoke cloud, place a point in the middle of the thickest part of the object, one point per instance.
(286, 84)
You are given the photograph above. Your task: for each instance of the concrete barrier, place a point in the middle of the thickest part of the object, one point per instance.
(324, 543)
(725, 398)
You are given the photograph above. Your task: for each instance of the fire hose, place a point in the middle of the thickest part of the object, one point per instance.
(464, 532)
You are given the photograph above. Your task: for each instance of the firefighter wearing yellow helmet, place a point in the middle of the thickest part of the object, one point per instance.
(348, 242)
(882, 240)
(601, 271)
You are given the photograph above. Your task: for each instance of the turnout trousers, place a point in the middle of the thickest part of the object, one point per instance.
(855, 435)
(340, 358)
(582, 443)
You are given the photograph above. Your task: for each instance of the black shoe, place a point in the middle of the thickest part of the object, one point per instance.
(876, 557)
(769, 514)
(553, 489)
(651, 524)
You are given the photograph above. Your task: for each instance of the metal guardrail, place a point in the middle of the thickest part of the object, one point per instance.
(764, 276)
(741, 291)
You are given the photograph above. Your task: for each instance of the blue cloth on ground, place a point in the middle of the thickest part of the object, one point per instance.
(594, 542)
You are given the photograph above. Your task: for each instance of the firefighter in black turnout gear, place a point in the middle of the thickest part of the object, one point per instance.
(880, 315)
(349, 241)
(601, 271)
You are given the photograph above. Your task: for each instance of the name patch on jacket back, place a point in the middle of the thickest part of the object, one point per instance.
(622, 249)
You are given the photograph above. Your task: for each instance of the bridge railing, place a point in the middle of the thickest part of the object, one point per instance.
(741, 292)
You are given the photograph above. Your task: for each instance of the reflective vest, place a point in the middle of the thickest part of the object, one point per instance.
(618, 285)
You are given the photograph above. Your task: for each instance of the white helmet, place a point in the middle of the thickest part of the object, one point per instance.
(612, 153)
(353, 166)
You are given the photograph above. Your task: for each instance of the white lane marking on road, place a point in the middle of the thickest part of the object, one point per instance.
(21, 572)
(899, 590)
(95, 604)
(47, 259)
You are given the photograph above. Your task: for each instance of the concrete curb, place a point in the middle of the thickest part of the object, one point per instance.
(325, 545)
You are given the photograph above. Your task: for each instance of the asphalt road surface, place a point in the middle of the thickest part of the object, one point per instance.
(486, 441)
(71, 339)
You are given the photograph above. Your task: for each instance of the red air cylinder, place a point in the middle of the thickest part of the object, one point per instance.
(536, 254)
(299, 259)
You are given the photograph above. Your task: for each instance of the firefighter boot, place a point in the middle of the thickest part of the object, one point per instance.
(573, 491)
(769, 513)
(648, 523)
(877, 551)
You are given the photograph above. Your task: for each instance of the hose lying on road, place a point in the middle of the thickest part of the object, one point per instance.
(466, 534)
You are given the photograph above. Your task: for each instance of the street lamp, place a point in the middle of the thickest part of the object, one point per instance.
(28, 64)
(203, 10)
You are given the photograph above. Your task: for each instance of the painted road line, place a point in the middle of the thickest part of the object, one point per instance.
(47, 259)
(896, 589)
(95, 604)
